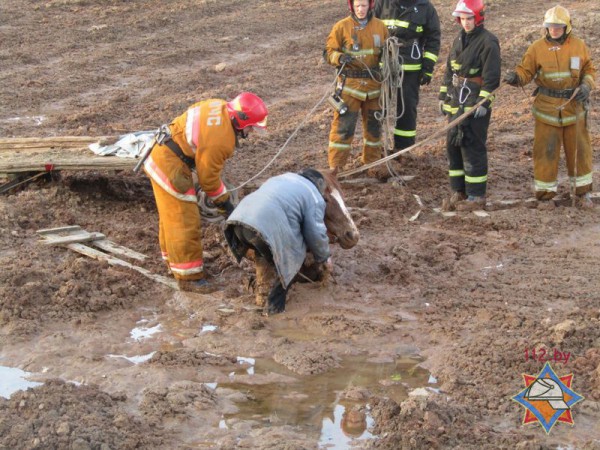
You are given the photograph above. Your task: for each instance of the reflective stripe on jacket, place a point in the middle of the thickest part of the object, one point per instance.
(556, 66)
(365, 45)
(204, 132)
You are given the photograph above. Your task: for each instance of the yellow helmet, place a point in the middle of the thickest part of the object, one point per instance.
(558, 16)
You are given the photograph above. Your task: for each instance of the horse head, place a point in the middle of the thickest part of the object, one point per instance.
(338, 221)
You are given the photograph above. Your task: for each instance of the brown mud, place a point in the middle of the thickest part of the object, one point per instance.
(129, 363)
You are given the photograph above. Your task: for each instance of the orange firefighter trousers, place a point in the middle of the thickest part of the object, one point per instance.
(179, 234)
(343, 127)
(548, 140)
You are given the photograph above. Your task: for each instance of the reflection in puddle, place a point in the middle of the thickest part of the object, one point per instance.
(347, 425)
(14, 380)
(312, 400)
(139, 333)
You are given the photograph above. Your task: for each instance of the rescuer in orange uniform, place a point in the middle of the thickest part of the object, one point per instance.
(356, 41)
(559, 63)
(202, 138)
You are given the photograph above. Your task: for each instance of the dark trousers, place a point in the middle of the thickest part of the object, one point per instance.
(467, 159)
(405, 132)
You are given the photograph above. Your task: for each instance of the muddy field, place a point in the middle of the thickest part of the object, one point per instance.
(418, 341)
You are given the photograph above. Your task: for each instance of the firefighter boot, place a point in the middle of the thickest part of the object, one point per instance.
(266, 277)
(472, 203)
(584, 201)
(449, 204)
(201, 286)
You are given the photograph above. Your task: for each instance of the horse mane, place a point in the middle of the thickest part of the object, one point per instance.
(331, 179)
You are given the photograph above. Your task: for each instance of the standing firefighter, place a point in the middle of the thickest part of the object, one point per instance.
(201, 138)
(356, 43)
(560, 64)
(416, 25)
(472, 74)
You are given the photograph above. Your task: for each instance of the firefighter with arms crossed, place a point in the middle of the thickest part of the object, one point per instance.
(472, 74)
(559, 63)
(203, 137)
(356, 43)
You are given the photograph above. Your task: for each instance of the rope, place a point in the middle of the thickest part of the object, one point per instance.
(392, 84)
(327, 94)
(435, 135)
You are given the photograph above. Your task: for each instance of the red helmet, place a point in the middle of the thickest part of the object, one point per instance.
(247, 110)
(472, 7)
(351, 5)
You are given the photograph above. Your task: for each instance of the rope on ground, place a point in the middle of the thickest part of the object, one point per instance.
(435, 135)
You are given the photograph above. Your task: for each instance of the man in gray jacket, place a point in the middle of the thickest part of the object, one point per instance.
(280, 221)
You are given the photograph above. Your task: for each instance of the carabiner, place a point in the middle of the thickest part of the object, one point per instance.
(464, 88)
(415, 47)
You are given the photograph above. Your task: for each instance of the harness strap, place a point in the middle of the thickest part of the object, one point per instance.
(556, 93)
(361, 73)
(190, 162)
(476, 80)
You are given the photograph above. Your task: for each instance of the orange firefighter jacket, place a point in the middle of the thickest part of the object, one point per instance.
(557, 67)
(205, 133)
(365, 45)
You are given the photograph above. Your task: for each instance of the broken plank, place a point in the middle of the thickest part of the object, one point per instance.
(68, 228)
(72, 238)
(117, 249)
(97, 254)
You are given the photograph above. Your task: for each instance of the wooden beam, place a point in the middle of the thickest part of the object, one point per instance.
(96, 254)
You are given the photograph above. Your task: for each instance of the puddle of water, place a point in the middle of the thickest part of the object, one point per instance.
(14, 380)
(207, 328)
(134, 359)
(347, 426)
(309, 400)
(139, 333)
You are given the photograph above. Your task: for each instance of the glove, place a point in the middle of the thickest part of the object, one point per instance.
(345, 59)
(512, 78)
(480, 112)
(424, 78)
(583, 94)
(441, 107)
(225, 208)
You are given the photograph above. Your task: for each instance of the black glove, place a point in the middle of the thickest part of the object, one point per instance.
(424, 78)
(345, 59)
(583, 94)
(512, 78)
(225, 208)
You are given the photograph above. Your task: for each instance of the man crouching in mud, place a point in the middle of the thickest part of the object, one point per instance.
(281, 221)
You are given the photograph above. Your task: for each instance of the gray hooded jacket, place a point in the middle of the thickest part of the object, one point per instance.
(288, 213)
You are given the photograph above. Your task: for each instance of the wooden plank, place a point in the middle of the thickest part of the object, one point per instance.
(97, 254)
(91, 163)
(62, 140)
(66, 229)
(119, 250)
(71, 239)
